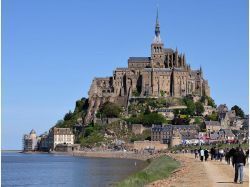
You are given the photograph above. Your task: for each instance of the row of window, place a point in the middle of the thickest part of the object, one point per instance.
(157, 49)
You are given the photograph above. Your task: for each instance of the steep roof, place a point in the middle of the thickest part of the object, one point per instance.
(189, 136)
(213, 123)
(139, 59)
(168, 50)
(62, 131)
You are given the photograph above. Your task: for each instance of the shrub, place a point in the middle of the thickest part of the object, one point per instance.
(239, 112)
(199, 108)
(110, 110)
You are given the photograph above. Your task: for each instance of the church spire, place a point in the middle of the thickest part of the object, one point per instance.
(157, 38)
(201, 72)
(157, 25)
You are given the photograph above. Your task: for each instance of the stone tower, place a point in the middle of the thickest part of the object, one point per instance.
(157, 54)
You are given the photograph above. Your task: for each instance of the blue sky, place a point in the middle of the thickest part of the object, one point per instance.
(51, 51)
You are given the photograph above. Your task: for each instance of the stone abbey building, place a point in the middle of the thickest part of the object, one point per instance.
(165, 73)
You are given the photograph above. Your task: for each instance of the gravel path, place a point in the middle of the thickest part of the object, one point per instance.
(195, 173)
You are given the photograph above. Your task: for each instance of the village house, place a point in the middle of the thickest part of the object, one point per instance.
(212, 126)
(166, 133)
(60, 136)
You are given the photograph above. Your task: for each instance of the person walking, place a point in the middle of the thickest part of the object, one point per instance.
(206, 154)
(216, 153)
(212, 152)
(202, 154)
(239, 160)
(221, 154)
(231, 154)
(227, 156)
(247, 155)
(196, 153)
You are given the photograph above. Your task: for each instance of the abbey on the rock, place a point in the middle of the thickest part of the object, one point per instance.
(164, 74)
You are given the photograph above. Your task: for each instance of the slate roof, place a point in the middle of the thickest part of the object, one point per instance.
(168, 50)
(160, 128)
(227, 132)
(194, 73)
(170, 127)
(62, 131)
(139, 59)
(213, 123)
(184, 126)
(189, 136)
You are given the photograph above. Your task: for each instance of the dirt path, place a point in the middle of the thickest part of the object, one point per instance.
(195, 173)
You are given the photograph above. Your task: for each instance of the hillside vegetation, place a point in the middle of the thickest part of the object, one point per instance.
(140, 111)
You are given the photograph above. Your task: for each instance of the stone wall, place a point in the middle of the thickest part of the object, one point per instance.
(146, 144)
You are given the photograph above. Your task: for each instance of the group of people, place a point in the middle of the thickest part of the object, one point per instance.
(236, 156)
(203, 154)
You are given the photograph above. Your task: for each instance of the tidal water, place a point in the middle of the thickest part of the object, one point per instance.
(59, 170)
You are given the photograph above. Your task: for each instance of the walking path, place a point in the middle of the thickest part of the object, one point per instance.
(195, 173)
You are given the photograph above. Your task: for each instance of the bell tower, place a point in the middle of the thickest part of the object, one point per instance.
(157, 54)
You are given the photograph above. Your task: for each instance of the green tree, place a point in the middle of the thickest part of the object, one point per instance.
(152, 118)
(110, 110)
(147, 119)
(181, 121)
(199, 108)
(210, 102)
(190, 110)
(60, 123)
(68, 116)
(239, 112)
(212, 117)
(81, 105)
(197, 120)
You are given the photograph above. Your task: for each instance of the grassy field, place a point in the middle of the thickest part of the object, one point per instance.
(159, 168)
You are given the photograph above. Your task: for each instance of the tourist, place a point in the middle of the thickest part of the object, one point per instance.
(201, 154)
(239, 160)
(206, 154)
(231, 153)
(196, 153)
(227, 156)
(221, 154)
(212, 152)
(247, 155)
(216, 153)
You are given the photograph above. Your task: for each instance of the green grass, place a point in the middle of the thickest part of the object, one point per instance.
(158, 168)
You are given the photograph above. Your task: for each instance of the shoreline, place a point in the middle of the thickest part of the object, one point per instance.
(115, 154)
(162, 167)
(103, 154)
